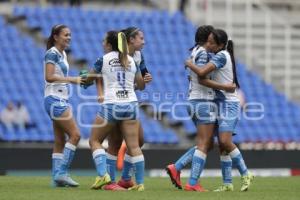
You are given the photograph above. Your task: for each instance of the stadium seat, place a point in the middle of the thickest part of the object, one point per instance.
(168, 38)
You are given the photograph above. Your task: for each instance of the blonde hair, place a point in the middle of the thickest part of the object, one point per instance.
(123, 49)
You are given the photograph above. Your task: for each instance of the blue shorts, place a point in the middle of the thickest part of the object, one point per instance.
(55, 106)
(202, 111)
(228, 115)
(119, 112)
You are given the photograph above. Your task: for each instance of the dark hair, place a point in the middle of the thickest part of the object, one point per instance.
(118, 42)
(220, 36)
(202, 34)
(130, 32)
(55, 31)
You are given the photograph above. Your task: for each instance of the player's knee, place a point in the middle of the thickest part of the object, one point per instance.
(203, 145)
(112, 150)
(134, 150)
(93, 143)
(224, 144)
(76, 137)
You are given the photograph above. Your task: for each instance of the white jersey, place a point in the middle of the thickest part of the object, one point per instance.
(196, 90)
(60, 62)
(224, 75)
(118, 82)
(137, 57)
(140, 62)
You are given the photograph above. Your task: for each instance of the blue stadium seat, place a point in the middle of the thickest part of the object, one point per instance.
(176, 34)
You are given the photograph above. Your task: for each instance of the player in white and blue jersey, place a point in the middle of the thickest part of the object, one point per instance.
(56, 104)
(120, 77)
(115, 152)
(202, 109)
(135, 40)
(223, 66)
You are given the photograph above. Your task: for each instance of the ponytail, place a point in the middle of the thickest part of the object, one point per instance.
(54, 31)
(50, 42)
(230, 49)
(123, 49)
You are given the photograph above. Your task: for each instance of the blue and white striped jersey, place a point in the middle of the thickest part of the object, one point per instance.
(60, 62)
(200, 58)
(224, 75)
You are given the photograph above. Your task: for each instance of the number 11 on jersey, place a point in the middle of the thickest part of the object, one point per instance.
(121, 78)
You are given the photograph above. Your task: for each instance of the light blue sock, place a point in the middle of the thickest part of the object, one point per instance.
(198, 163)
(238, 161)
(99, 157)
(57, 159)
(185, 159)
(127, 168)
(139, 167)
(111, 162)
(226, 165)
(69, 152)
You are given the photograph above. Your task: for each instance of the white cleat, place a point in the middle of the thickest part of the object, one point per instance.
(64, 179)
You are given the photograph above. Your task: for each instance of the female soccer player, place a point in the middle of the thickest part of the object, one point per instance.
(135, 40)
(57, 107)
(203, 112)
(223, 65)
(120, 77)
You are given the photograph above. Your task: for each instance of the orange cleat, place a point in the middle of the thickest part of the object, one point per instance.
(197, 188)
(174, 175)
(121, 155)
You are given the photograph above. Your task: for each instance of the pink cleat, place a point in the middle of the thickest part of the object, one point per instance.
(125, 184)
(174, 175)
(113, 187)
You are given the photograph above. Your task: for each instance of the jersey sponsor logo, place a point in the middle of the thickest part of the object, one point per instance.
(122, 94)
(114, 62)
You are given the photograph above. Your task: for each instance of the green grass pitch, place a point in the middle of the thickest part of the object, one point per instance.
(38, 188)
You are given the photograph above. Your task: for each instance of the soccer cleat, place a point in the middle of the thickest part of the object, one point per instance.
(54, 184)
(224, 188)
(246, 181)
(65, 180)
(174, 175)
(138, 188)
(197, 188)
(125, 184)
(101, 181)
(113, 187)
(121, 155)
